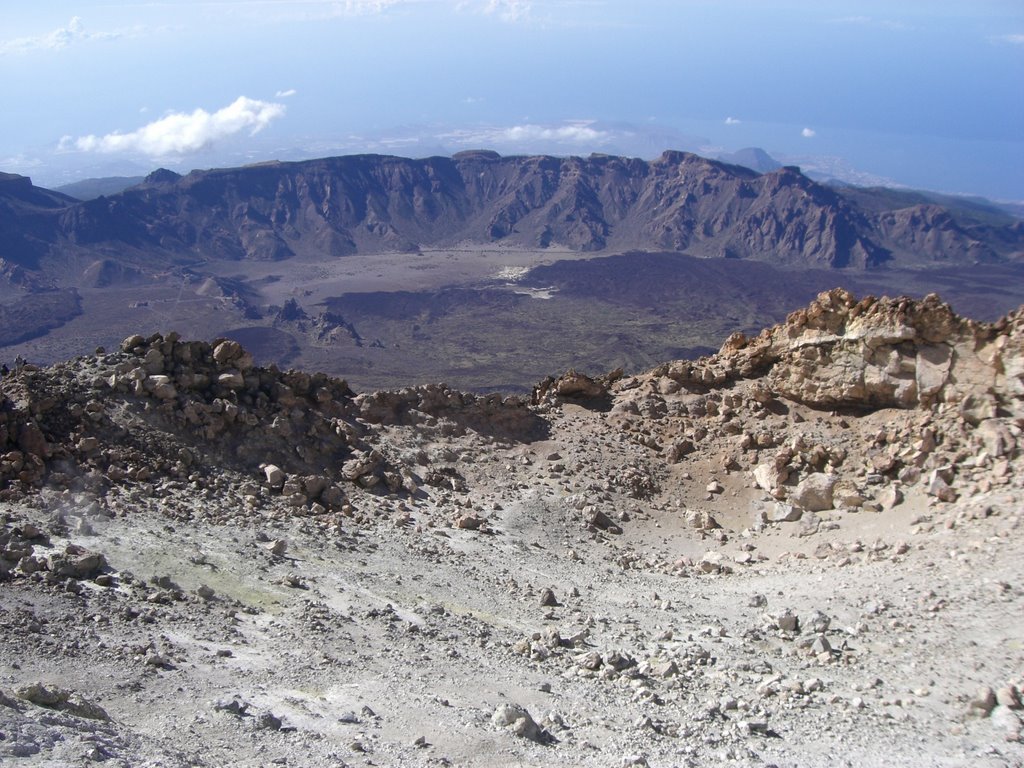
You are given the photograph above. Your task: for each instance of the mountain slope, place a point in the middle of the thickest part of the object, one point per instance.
(88, 189)
(337, 206)
(774, 555)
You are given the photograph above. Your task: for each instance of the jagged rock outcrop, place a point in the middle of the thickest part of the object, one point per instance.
(876, 353)
(950, 390)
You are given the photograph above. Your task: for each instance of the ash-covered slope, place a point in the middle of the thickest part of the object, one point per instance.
(774, 554)
(681, 202)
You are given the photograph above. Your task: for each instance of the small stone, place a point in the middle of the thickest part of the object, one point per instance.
(268, 721)
(782, 513)
(602, 522)
(231, 380)
(701, 520)
(711, 562)
(890, 497)
(227, 351)
(469, 522)
(1008, 696)
(1008, 722)
(983, 703)
(547, 598)
(233, 706)
(518, 720)
(821, 645)
(939, 487)
(787, 621)
(752, 727)
(771, 475)
(278, 547)
(154, 659)
(665, 669)
(816, 622)
(275, 476)
(205, 592)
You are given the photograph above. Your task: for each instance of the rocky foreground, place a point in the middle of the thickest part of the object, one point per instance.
(804, 550)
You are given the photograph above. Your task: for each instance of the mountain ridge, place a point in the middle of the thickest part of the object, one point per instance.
(366, 203)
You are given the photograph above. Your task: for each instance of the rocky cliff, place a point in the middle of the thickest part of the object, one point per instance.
(681, 202)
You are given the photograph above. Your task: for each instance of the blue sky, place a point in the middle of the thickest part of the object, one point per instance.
(927, 94)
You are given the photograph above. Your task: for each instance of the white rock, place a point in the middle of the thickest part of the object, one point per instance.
(768, 476)
(782, 513)
(231, 380)
(275, 475)
(814, 492)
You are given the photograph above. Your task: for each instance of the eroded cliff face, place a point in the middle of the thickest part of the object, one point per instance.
(336, 206)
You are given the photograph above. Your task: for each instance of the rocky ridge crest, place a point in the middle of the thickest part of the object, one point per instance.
(371, 203)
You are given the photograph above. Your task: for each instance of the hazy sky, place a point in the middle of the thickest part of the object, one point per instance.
(926, 93)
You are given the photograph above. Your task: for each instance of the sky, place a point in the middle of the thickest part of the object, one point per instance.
(921, 93)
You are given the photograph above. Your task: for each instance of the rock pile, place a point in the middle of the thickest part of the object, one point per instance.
(166, 409)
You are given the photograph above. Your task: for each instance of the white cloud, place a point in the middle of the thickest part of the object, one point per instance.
(732, 121)
(56, 40)
(579, 132)
(180, 132)
(20, 162)
(506, 10)
(532, 137)
(1012, 39)
(808, 133)
(285, 94)
(509, 10)
(276, 11)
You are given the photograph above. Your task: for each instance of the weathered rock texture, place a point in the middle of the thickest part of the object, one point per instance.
(877, 353)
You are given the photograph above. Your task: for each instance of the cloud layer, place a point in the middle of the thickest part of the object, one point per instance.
(578, 133)
(59, 38)
(181, 133)
(508, 10)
